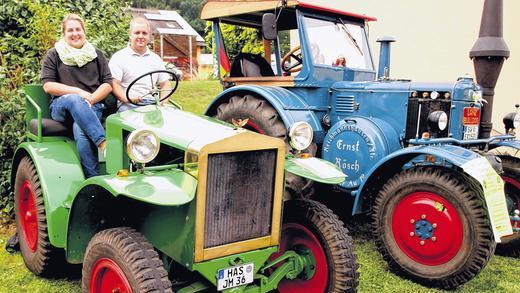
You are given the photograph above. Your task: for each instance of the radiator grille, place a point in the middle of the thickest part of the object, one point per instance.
(345, 104)
(239, 196)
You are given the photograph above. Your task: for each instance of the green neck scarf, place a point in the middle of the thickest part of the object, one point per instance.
(75, 57)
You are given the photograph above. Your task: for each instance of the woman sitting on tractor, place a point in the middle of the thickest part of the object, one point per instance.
(77, 76)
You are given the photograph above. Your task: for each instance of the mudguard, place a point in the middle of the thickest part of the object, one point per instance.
(289, 106)
(315, 169)
(164, 188)
(393, 163)
(145, 201)
(471, 163)
(59, 178)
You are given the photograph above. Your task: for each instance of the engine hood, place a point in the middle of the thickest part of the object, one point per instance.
(175, 127)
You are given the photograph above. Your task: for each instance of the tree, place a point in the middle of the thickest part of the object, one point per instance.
(28, 29)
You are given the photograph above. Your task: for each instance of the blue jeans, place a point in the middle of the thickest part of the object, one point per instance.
(87, 128)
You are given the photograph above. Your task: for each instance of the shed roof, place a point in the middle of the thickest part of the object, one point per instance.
(168, 22)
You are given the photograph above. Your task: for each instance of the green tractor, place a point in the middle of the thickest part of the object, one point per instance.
(184, 203)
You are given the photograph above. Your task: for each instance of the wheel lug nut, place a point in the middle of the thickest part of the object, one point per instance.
(423, 217)
(434, 225)
(422, 242)
(412, 234)
(434, 238)
(412, 221)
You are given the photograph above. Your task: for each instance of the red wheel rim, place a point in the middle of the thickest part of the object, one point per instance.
(419, 211)
(297, 235)
(252, 126)
(28, 216)
(107, 277)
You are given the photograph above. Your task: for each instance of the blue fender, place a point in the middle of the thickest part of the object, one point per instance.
(60, 173)
(392, 164)
(289, 106)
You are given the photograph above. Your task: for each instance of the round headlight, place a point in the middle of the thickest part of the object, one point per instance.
(142, 145)
(438, 119)
(300, 135)
(512, 121)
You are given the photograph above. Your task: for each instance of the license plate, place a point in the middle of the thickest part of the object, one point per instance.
(235, 276)
(471, 116)
(470, 132)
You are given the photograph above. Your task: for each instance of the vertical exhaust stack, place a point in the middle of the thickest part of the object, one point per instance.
(488, 55)
(384, 57)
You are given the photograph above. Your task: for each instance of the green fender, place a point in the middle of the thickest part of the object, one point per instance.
(150, 202)
(60, 173)
(164, 188)
(315, 169)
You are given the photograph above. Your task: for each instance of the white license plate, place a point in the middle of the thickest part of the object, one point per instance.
(235, 276)
(470, 132)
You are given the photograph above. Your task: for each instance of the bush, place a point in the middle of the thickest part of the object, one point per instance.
(28, 29)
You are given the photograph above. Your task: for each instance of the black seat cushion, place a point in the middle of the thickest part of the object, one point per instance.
(250, 65)
(50, 128)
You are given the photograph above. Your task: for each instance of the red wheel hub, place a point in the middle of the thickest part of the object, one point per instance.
(108, 277)
(297, 235)
(427, 228)
(28, 215)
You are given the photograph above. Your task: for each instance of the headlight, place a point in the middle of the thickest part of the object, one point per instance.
(438, 120)
(511, 121)
(142, 145)
(300, 135)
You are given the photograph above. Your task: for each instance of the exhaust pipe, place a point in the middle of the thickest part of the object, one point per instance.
(488, 55)
(383, 72)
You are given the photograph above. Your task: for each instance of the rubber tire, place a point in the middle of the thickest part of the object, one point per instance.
(46, 260)
(477, 246)
(511, 166)
(334, 238)
(133, 254)
(267, 119)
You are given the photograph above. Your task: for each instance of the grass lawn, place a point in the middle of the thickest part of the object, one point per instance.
(501, 274)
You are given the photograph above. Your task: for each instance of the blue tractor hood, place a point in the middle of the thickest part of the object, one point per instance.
(463, 89)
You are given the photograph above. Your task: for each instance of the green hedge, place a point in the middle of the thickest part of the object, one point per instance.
(28, 28)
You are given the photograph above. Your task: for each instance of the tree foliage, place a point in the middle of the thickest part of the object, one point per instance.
(28, 28)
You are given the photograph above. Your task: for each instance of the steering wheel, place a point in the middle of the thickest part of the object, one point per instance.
(154, 96)
(295, 54)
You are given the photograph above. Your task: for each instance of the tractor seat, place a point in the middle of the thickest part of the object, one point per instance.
(49, 128)
(250, 65)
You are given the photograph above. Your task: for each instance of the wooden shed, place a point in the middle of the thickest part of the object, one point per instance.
(174, 39)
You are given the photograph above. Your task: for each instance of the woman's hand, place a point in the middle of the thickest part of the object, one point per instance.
(88, 97)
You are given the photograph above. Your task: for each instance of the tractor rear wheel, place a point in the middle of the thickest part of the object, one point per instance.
(122, 260)
(511, 177)
(257, 115)
(432, 226)
(310, 225)
(38, 254)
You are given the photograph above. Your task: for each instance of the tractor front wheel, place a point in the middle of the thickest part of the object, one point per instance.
(257, 115)
(122, 260)
(309, 225)
(38, 254)
(432, 225)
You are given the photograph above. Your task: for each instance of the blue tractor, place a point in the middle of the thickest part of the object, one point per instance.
(418, 156)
